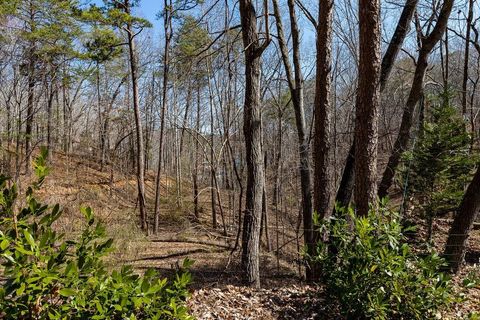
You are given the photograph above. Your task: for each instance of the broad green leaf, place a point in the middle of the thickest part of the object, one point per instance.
(67, 292)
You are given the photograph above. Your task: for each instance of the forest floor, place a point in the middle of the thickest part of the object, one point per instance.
(216, 291)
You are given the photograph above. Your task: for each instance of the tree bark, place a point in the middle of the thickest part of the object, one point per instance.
(295, 82)
(416, 92)
(195, 170)
(265, 219)
(140, 152)
(51, 95)
(466, 58)
(252, 129)
(462, 225)
(31, 57)
(323, 188)
(366, 116)
(345, 189)
(322, 106)
(185, 115)
(166, 57)
(212, 152)
(30, 109)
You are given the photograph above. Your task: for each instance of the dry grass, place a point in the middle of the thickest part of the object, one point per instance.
(75, 182)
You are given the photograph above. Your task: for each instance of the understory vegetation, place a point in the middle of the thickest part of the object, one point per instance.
(441, 163)
(371, 272)
(48, 276)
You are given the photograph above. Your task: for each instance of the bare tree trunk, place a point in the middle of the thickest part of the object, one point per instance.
(322, 138)
(366, 116)
(100, 116)
(416, 92)
(185, 116)
(138, 124)
(278, 157)
(105, 140)
(67, 116)
(462, 225)
(51, 95)
(17, 143)
(252, 129)
(345, 189)
(8, 154)
(265, 220)
(195, 170)
(30, 110)
(149, 120)
(240, 196)
(295, 83)
(466, 58)
(176, 152)
(31, 91)
(212, 153)
(168, 36)
(447, 63)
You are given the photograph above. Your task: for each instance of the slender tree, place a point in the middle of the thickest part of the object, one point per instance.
(140, 152)
(295, 84)
(31, 58)
(168, 29)
(118, 14)
(466, 57)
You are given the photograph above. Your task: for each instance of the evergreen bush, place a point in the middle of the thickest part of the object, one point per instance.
(442, 162)
(374, 274)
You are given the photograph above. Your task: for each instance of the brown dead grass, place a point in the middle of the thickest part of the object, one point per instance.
(75, 182)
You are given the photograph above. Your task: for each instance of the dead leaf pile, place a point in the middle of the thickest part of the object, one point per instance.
(242, 303)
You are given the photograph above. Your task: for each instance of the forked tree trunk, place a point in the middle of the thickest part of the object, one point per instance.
(416, 92)
(366, 115)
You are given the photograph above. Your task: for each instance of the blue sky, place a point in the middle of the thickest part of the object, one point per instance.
(148, 9)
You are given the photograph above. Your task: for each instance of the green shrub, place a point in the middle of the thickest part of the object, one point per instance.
(442, 162)
(373, 273)
(48, 277)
